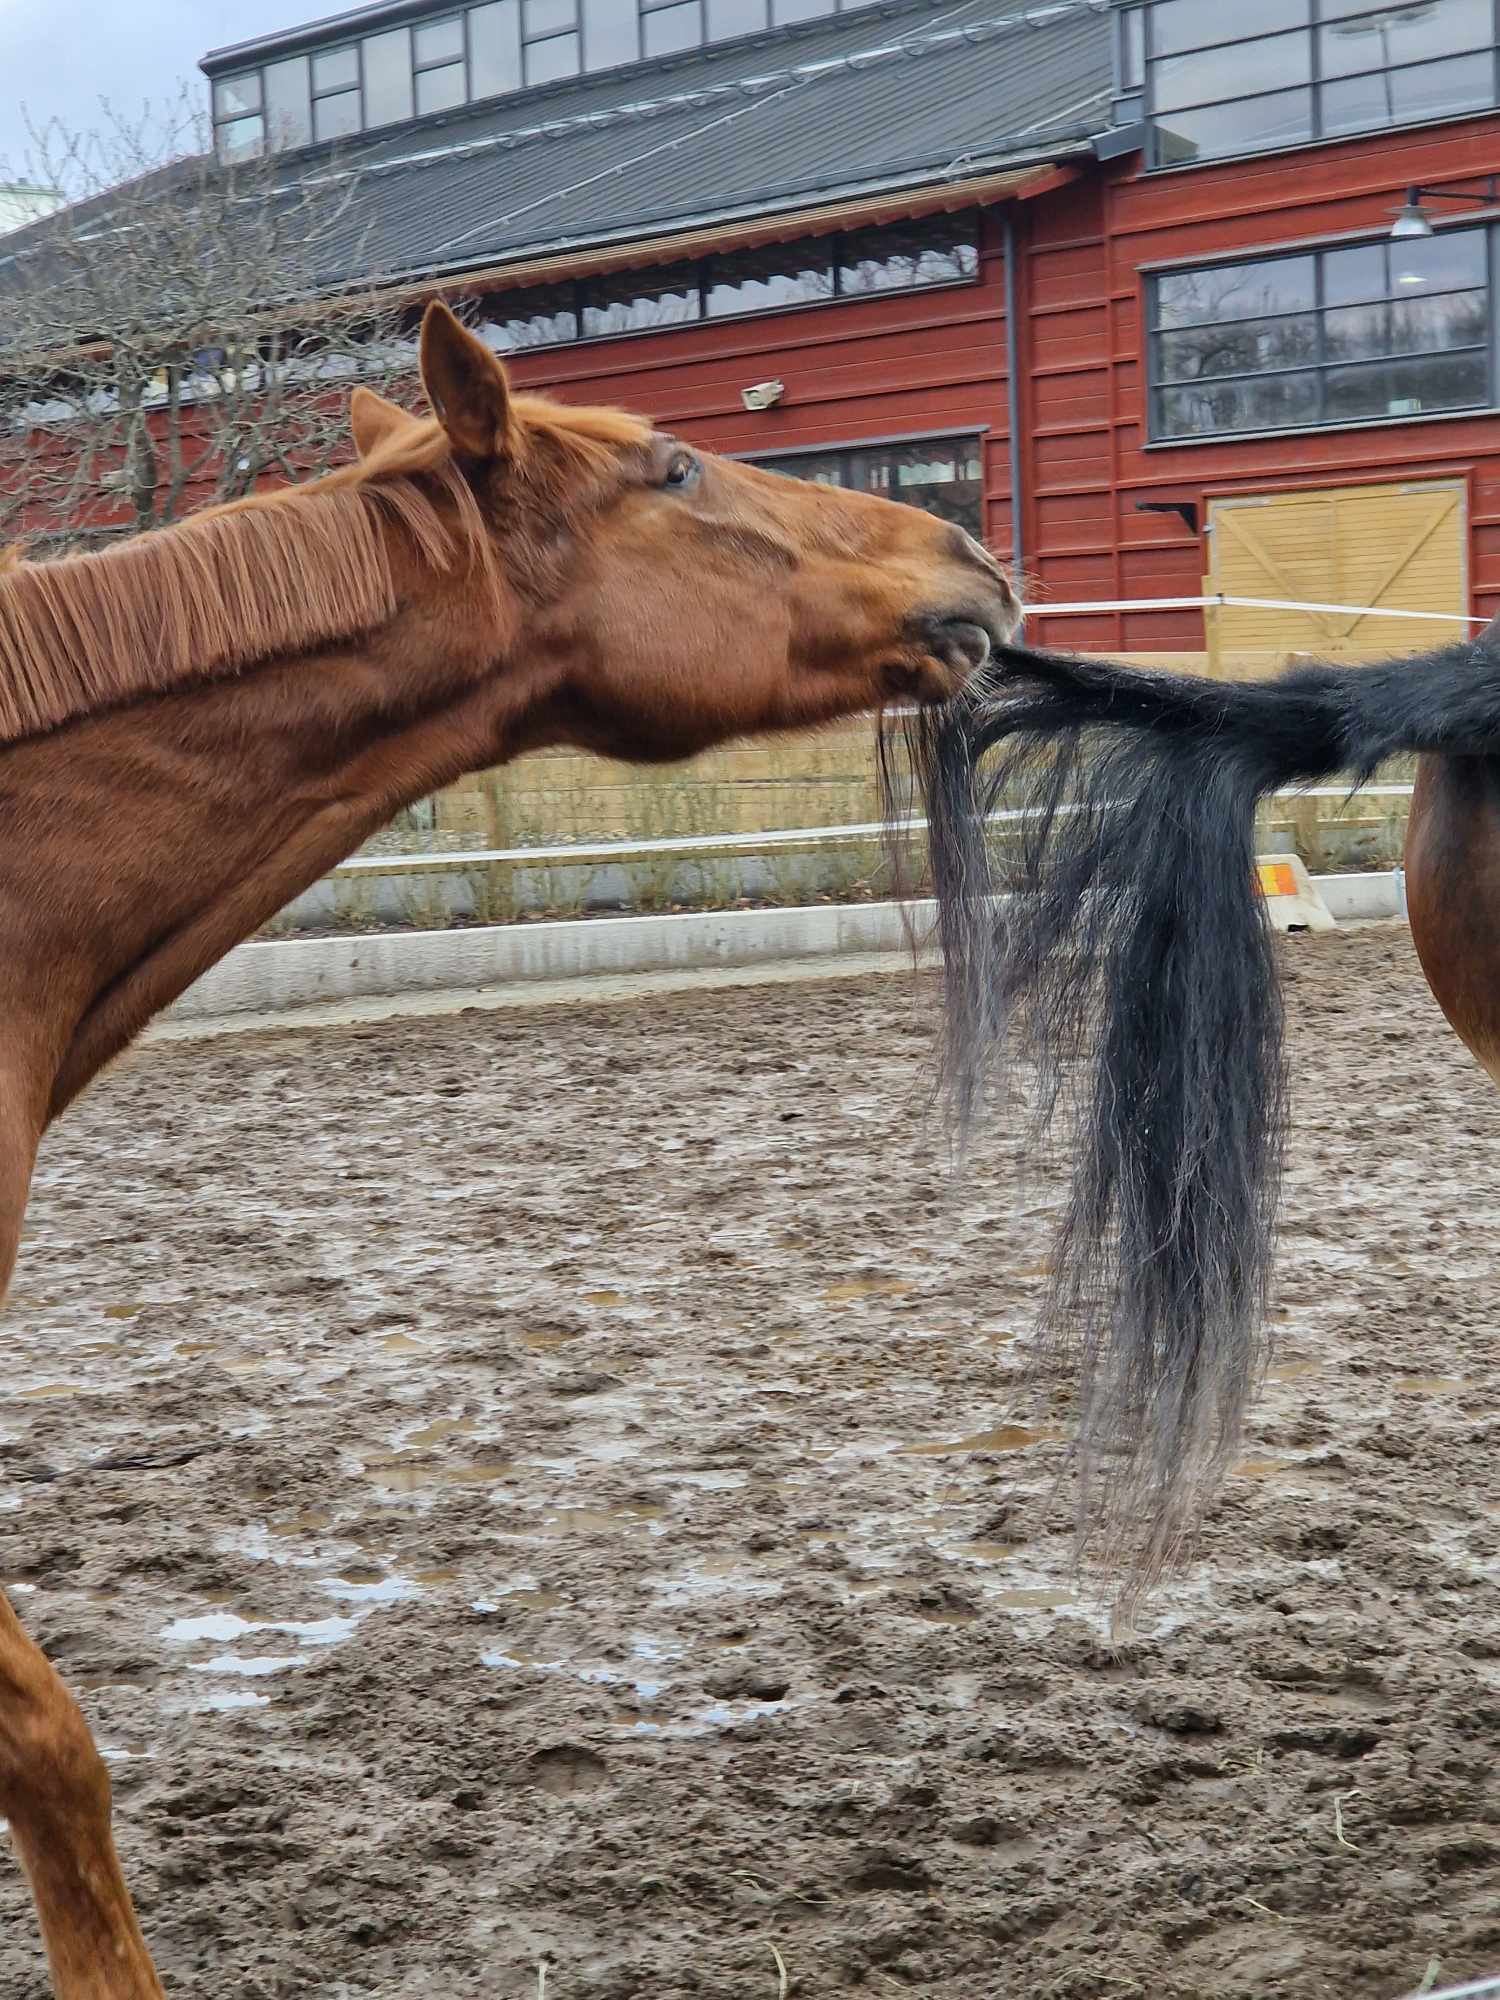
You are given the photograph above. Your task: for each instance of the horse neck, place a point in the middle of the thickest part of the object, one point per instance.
(138, 846)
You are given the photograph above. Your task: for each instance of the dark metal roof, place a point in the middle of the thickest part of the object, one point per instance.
(873, 99)
(883, 99)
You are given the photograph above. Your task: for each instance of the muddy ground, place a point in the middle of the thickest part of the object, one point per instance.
(609, 1534)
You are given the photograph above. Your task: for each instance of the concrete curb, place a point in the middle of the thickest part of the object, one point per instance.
(276, 977)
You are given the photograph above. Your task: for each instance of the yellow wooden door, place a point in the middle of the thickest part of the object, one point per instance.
(1388, 548)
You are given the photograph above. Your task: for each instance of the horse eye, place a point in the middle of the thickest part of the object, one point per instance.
(683, 470)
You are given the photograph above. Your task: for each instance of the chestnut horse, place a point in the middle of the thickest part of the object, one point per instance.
(1134, 965)
(198, 724)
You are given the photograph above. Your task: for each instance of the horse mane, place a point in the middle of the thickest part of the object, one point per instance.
(278, 572)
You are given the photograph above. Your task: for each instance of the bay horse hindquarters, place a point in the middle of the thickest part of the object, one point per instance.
(262, 687)
(1453, 894)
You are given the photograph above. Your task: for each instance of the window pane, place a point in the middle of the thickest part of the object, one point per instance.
(823, 468)
(938, 252)
(242, 140)
(439, 42)
(387, 78)
(944, 479)
(1269, 64)
(1189, 24)
(547, 61)
(288, 107)
(235, 95)
(633, 300)
(1405, 96)
(1357, 273)
(440, 89)
(1407, 388)
(1404, 34)
(548, 17)
(735, 17)
(1258, 123)
(672, 28)
(1407, 326)
(1237, 349)
(495, 47)
(1449, 262)
(783, 274)
(1269, 404)
(336, 117)
(1236, 291)
(611, 34)
(543, 317)
(336, 69)
(1132, 48)
(783, 11)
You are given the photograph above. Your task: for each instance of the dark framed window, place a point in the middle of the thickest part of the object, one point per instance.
(909, 256)
(1350, 334)
(945, 476)
(1221, 81)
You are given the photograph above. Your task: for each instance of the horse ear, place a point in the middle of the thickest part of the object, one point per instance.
(465, 384)
(372, 420)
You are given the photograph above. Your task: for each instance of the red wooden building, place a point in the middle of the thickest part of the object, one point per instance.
(1112, 281)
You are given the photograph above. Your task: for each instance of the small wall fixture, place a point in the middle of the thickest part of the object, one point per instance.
(1412, 218)
(1187, 509)
(762, 395)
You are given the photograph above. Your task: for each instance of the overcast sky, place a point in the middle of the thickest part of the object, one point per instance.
(58, 58)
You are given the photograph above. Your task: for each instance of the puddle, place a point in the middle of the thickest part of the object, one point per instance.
(223, 1699)
(1005, 1437)
(409, 1473)
(386, 1590)
(125, 1311)
(991, 1552)
(868, 1288)
(124, 1753)
(189, 1348)
(1294, 1371)
(1266, 1468)
(534, 1600)
(428, 1577)
(48, 1389)
(402, 1343)
(300, 1524)
(1033, 1600)
(591, 1520)
(703, 1721)
(946, 1617)
(445, 1427)
(257, 1664)
(1426, 1385)
(605, 1298)
(230, 1625)
(545, 1343)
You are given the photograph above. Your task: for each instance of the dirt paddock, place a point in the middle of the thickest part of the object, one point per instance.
(551, 1489)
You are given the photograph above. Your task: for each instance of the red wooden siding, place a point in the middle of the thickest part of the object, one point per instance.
(1084, 392)
(922, 362)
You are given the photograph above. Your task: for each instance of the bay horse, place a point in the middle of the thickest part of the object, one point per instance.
(196, 725)
(1111, 947)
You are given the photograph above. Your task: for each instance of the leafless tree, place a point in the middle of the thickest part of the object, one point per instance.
(173, 336)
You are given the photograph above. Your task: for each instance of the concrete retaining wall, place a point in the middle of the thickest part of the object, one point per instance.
(270, 977)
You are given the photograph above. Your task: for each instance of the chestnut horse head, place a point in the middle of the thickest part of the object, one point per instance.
(674, 598)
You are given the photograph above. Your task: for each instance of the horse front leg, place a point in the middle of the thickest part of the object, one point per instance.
(54, 1789)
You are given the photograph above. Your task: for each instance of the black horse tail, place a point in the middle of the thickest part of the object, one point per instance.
(1091, 829)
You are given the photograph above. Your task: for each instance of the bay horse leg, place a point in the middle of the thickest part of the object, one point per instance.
(54, 1789)
(1453, 894)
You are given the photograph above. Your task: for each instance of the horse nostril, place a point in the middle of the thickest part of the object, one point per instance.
(969, 640)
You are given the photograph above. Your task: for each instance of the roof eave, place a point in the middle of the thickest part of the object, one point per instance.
(741, 226)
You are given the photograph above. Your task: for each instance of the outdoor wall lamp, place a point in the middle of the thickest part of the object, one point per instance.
(1412, 218)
